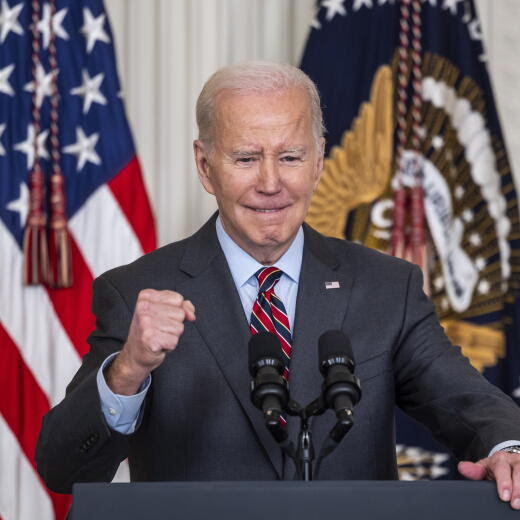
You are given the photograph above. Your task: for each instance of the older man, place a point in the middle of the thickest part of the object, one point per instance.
(166, 381)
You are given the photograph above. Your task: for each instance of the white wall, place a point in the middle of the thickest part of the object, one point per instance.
(167, 48)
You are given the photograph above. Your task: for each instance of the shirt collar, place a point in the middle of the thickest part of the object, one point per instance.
(243, 266)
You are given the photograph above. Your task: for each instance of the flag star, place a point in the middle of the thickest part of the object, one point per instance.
(359, 3)
(467, 13)
(44, 25)
(5, 86)
(83, 148)
(475, 240)
(438, 283)
(480, 263)
(89, 89)
(483, 287)
(9, 20)
(437, 142)
(315, 23)
(2, 129)
(458, 192)
(21, 204)
(27, 146)
(44, 82)
(475, 30)
(334, 7)
(451, 5)
(93, 29)
(467, 215)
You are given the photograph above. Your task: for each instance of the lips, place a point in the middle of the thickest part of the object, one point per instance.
(268, 210)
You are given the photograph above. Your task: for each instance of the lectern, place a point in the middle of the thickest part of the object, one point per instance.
(320, 500)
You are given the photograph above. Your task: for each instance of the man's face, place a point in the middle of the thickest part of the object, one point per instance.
(263, 169)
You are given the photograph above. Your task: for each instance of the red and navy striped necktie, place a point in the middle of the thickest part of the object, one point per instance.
(269, 312)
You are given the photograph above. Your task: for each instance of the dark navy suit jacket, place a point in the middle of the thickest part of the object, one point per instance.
(198, 423)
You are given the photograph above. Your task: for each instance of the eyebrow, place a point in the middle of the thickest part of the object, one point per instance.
(249, 152)
(245, 152)
(298, 149)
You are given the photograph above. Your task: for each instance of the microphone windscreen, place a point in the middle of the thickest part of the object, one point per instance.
(334, 343)
(264, 345)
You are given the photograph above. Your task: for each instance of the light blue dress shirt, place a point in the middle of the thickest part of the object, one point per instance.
(121, 411)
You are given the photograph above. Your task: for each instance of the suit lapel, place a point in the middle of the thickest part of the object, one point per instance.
(318, 309)
(222, 324)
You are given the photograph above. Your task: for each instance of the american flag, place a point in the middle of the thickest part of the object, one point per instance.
(43, 330)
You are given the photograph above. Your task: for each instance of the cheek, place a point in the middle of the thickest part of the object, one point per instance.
(302, 190)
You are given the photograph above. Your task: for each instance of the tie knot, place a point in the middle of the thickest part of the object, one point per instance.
(267, 278)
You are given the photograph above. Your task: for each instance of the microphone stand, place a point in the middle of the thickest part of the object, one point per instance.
(303, 457)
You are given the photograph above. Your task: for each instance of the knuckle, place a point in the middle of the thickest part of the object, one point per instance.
(148, 337)
(145, 293)
(141, 306)
(177, 314)
(175, 298)
(144, 321)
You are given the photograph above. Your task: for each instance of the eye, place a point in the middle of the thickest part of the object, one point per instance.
(245, 160)
(290, 158)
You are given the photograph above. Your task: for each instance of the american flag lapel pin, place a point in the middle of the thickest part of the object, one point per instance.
(331, 285)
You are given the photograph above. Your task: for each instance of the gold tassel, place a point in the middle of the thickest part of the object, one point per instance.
(60, 273)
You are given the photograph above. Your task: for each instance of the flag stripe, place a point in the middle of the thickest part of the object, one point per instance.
(72, 305)
(130, 192)
(25, 407)
(30, 319)
(22, 497)
(103, 233)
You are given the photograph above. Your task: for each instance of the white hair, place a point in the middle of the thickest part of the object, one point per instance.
(255, 77)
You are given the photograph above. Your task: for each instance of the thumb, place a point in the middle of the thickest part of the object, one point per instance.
(189, 309)
(471, 470)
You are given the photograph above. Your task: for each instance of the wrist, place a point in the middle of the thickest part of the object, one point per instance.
(124, 377)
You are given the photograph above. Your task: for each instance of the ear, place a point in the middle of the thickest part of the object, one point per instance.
(319, 162)
(203, 165)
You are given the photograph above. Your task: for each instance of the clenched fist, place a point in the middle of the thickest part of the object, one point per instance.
(157, 325)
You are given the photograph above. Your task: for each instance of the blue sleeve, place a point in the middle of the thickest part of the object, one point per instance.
(120, 411)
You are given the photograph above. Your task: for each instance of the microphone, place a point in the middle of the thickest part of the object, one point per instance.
(341, 388)
(269, 390)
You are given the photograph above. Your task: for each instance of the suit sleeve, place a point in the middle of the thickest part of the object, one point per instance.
(75, 443)
(436, 384)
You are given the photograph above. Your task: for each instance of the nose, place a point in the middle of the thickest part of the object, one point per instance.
(269, 181)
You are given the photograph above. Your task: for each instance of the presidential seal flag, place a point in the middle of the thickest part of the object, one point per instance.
(416, 166)
(72, 205)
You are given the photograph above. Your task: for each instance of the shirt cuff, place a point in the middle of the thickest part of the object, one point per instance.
(120, 411)
(503, 445)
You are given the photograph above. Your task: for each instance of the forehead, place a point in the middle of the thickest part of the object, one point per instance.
(278, 115)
